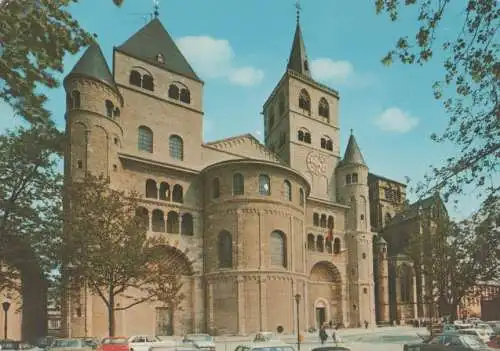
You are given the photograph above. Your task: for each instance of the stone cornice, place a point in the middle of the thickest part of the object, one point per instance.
(327, 203)
(159, 164)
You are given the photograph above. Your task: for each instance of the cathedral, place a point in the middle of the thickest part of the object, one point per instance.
(261, 231)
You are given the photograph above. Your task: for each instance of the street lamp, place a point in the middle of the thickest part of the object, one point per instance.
(5, 306)
(297, 301)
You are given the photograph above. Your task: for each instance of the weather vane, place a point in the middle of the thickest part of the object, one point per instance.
(299, 8)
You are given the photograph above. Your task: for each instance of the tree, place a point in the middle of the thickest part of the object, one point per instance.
(109, 249)
(468, 90)
(455, 257)
(35, 36)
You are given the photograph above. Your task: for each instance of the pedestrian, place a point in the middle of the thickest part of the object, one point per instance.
(323, 336)
(334, 336)
(366, 324)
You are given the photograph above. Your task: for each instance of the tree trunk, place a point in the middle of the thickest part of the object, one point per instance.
(111, 314)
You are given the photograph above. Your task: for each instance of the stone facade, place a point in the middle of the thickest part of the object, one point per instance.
(253, 225)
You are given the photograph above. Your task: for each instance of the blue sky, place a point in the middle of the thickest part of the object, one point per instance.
(240, 49)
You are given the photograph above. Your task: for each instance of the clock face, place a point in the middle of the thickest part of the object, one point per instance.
(316, 163)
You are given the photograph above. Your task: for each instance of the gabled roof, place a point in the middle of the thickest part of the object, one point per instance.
(93, 65)
(423, 205)
(153, 39)
(298, 56)
(352, 153)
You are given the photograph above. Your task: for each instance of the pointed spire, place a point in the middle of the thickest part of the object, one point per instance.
(298, 61)
(353, 153)
(154, 45)
(92, 64)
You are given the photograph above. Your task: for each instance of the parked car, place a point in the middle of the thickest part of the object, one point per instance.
(200, 341)
(265, 337)
(480, 333)
(144, 342)
(452, 342)
(494, 343)
(116, 343)
(331, 348)
(266, 346)
(71, 345)
(11, 345)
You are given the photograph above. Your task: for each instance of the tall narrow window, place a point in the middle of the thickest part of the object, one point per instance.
(323, 108)
(109, 108)
(305, 100)
(238, 184)
(75, 96)
(348, 179)
(173, 222)
(322, 222)
(158, 221)
(147, 82)
(151, 189)
(336, 246)
(225, 249)
(215, 188)
(311, 242)
(173, 92)
(277, 249)
(331, 222)
(143, 215)
(145, 142)
(176, 147)
(354, 177)
(287, 190)
(164, 191)
(316, 219)
(300, 135)
(264, 185)
(301, 197)
(185, 95)
(307, 137)
(187, 227)
(177, 194)
(135, 78)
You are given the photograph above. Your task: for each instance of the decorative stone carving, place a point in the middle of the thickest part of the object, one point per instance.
(316, 163)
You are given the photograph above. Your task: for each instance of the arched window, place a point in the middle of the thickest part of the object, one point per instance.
(316, 219)
(151, 189)
(406, 281)
(287, 190)
(158, 221)
(109, 108)
(300, 135)
(116, 112)
(354, 177)
(305, 100)
(164, 191)
(143, 215)
(187, 227)
(310, 242)
(320, 245)
(326, 143)
(145, 141)
(176, 147)
(238, 184)
(329, 145)
(331, 222)
(323, 108)
(277, 249)
(322, 222)
(173, 222)
(177, 194)
(185, 95)
(301, 197)
(225, 249)
(348, 179)
(215, 188)
(264, 185)
(336, 246)
(75, 97)
(328, 245)
(173, 92)
(323, 143)
(135, 78)
(387, 218)
(307, 137)
(147, 82)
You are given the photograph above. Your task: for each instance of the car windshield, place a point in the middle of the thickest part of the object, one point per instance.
(66, 343)
(199, 337)
(473, 342)
(115, 341)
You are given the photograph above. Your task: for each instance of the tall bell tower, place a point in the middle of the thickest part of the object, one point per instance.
(301, 122)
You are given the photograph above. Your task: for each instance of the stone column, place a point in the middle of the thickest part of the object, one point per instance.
(263, 302)
(210, 309)
(344, 305)
(194, 305)
(414, 296)
(241, 305)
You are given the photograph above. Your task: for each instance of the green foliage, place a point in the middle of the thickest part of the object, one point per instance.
(30, 201)
(35, 37)
(108, 249)
(468, 90)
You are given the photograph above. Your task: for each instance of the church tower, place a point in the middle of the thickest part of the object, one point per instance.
(381, 268)
(301, 122)
(352, 185)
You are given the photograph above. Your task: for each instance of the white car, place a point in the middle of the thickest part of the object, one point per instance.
(144, 342)
(200, 341)
(480, 333)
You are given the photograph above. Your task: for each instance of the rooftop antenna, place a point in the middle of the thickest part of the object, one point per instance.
(156, 8)
(298, 8)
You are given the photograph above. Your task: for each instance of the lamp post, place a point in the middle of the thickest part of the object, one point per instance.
(297, 301)
(5, 306)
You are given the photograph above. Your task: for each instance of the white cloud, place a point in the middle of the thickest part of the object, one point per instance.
(214, 58)
(396, 120)
(327, 70)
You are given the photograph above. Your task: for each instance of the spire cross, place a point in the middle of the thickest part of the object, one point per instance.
(352, 131)
(156, 7)
(298, 8)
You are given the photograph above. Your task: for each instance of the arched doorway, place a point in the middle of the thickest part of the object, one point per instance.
(174, 313)
(406, 298)
(325, 294)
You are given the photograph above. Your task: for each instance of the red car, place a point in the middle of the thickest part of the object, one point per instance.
(115, 343)
(495, 343)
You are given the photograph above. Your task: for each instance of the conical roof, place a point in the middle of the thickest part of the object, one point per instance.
(153, 39)
(380, 240)
(353, 153)
(92, 64)
(298, 57)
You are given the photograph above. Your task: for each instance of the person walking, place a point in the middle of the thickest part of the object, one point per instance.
(323, 336)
